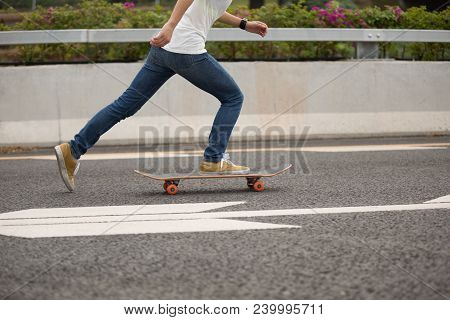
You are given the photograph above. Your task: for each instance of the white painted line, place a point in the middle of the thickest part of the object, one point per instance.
(372, 148)
(108, 156)
(84, 217)
(195, 153)
(96, 229)
(121, 211)
(87, 217)
(445, 199)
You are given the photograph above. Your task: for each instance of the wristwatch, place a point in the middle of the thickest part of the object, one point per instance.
(243, 24)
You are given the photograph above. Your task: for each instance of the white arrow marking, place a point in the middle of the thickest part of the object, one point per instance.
(134, 227)
(95, 221)
(440, 200)
(122, 211)
(106, 218)
(92, 221)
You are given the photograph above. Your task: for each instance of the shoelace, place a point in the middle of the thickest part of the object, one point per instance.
(226, 159)
(76, 168)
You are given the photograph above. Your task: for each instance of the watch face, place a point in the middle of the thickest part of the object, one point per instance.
(243, 24)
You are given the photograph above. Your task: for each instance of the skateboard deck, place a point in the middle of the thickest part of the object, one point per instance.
(171, 180)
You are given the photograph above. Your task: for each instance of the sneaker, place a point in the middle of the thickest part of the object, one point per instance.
(68, 165)
(224, 166)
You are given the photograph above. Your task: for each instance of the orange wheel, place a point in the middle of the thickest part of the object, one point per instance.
(258, 186)
(172, 189)
(165, 185)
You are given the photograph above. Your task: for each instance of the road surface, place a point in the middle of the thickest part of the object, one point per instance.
(355, 219)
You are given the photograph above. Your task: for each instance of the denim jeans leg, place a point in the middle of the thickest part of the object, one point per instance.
(208, 75)
(148, 80)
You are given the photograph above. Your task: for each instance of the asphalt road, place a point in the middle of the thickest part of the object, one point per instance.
(363, 255)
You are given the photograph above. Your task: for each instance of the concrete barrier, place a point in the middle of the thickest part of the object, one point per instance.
(43, 105)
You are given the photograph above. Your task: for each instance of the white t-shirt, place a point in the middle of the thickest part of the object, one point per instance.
(189, 35)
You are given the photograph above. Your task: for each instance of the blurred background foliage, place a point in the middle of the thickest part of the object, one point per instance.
(94, 14)
(404, 4)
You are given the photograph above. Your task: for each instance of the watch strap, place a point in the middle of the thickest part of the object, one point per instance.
(243, 24)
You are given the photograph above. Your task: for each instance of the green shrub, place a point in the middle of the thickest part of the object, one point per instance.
(92, 14)
(3, 27)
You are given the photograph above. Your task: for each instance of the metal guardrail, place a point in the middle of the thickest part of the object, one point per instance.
(367, 39)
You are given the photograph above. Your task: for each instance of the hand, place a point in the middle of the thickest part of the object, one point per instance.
(163, 37)
(257, 27)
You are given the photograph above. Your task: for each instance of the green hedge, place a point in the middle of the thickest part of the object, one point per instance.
(101, 14)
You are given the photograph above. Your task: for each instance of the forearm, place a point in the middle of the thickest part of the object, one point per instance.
(229, 19)
(178, 11)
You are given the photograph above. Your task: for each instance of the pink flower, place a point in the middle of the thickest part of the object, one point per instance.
(398, 12)
(315, 8)
(332, 19)
(129, 5)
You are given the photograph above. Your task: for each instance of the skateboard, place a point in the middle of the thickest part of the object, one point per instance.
(253, 178)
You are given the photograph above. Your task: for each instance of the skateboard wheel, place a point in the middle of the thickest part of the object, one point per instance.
(165, 185)
(172, 189)
(258, 186)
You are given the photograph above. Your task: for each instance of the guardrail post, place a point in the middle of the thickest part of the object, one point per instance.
(367, 50)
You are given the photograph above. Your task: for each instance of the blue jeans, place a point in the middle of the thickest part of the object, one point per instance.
(202, 70)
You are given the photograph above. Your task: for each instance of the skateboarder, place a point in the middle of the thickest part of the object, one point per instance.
(178, 48)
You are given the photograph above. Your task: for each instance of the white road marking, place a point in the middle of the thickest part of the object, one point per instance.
(445, 199)
(388, 147)
(122, 211)
(135, 227)
(196, 153)
(96, 221)
(108, 156)
(58, 222)
(86, 217)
